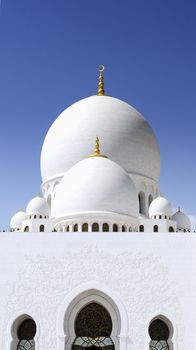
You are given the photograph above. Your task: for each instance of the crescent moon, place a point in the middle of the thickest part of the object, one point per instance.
(101, 68)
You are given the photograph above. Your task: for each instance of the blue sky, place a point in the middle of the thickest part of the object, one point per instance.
(49, 54)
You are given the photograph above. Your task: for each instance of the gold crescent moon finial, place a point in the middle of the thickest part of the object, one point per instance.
(101, 83)
(101, 68)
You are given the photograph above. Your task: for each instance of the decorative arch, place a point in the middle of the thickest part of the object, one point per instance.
(160, 327)
(79, 298)
(23, 326)
(93, 327)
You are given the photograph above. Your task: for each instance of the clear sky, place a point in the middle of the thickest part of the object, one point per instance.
(49, 54)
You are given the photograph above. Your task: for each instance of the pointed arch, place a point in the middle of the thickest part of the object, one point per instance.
(25, 326)
(83, 295)
(171, 330)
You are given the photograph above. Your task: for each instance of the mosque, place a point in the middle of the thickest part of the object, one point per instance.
(100, 261)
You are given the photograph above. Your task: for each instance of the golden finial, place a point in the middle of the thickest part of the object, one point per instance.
(101, 83)
(97, 150)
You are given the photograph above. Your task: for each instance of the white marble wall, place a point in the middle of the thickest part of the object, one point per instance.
(139, 275)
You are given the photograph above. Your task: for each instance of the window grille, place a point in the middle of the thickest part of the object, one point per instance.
(26, 345)
(87, 342)
(159, 345)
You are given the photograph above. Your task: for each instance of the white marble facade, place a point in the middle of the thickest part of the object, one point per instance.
(135, 276)
(101, 234)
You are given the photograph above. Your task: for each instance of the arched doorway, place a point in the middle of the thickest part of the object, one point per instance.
(79, 298)
(93, 328)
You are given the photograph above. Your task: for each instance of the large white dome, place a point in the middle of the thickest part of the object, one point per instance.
(125, 137)
(96, 185)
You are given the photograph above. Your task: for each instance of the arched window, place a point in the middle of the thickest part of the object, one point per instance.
(75, 228)
(41, 228)
(141, 228)
(171, 229)
(67, 228)
(85, 227)
(95, 227)
(105, 227)
(115, 228)
(93, 327)
(123, 228)
(150, 199)
(159, 333)
(142, 204)
(130, 229)
(26, 229)
(26, 333)
(155, 228)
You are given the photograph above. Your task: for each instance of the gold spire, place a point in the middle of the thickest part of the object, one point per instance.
(101, 83)
(97, 150)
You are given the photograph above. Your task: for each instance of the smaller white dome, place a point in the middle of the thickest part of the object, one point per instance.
(17, 219)
(160, 206)
(38, 206)
(96, 184)
(182, 220)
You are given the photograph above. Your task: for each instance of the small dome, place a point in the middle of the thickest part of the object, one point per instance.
(38, 206)
(17, 219)
(160, 206)
(96, 184)
(127, 138)
(182, 221)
